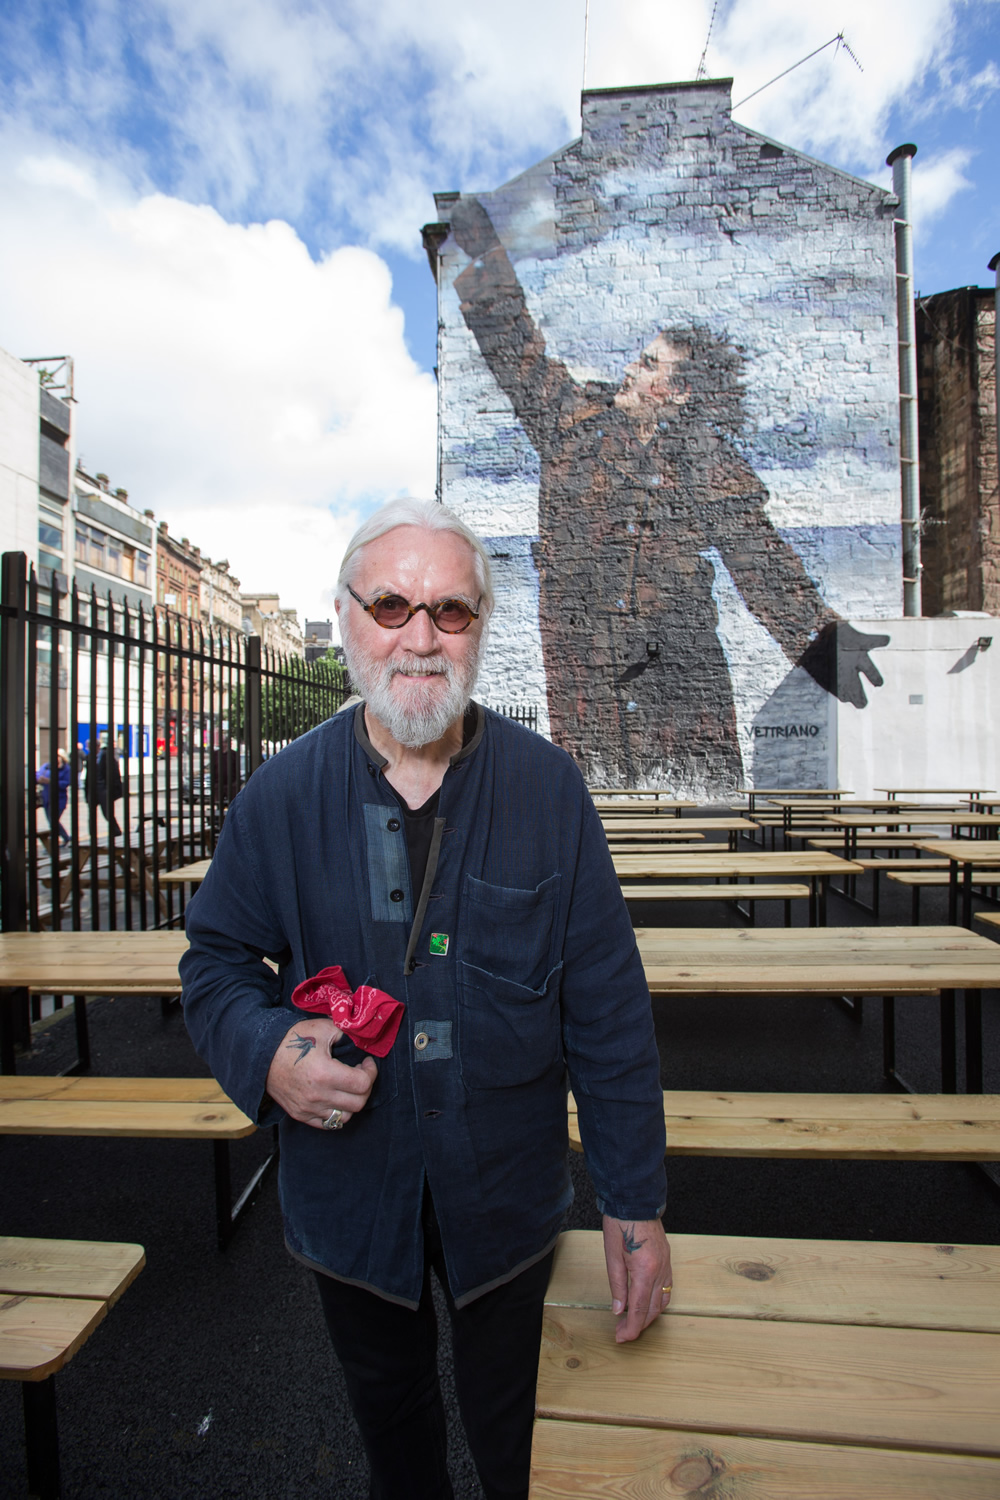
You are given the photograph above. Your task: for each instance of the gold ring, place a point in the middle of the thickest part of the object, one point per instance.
(667, 1288)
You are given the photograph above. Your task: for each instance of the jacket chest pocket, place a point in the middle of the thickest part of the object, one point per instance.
(508, 932)
(509, 1021)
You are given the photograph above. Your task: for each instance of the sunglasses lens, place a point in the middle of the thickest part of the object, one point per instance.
(452, 615)
(391, 611)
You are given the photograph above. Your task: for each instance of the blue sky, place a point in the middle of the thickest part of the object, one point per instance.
(215, 207)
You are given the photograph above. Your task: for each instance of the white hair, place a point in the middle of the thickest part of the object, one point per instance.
(427, 514)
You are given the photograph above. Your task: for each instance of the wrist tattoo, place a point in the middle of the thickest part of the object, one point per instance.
(301, 1044)
(629, 1240)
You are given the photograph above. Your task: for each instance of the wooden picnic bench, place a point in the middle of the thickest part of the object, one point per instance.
(732, 827)
(783, 1370)
(842, 961)
(189, 1109)
(823, 1127)
(918, 880)
(962, 856)
(664, 865)
(744, 891)
(53, 1294)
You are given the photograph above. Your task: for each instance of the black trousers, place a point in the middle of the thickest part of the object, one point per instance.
(389, 1358)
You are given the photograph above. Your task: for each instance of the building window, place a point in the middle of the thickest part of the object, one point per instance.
(50, 536)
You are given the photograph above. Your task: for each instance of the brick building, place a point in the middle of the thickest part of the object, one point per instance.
(668, 398)
(960, 510)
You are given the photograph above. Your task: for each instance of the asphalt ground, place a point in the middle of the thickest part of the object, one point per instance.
(212, 1377)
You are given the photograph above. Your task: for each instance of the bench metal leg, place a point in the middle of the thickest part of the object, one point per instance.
(889, 1036)
(973, 1041)
(949, 1057)
(228, 1215)
(41, 1437)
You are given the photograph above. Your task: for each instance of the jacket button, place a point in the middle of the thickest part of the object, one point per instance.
(420, 1040)
(395, 895)
(393, 825)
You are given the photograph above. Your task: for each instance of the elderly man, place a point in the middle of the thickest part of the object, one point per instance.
(454, 861)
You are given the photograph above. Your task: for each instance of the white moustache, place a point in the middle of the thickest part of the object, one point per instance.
(421, 669)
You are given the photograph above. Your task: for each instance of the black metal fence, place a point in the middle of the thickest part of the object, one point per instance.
(126, 733)
(521, 713)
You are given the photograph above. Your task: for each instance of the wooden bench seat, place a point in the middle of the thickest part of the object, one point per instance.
(859, 1127)
(53, 1294)
(783, 1370)
(191, 1109)
(917, 880)
(743, 892)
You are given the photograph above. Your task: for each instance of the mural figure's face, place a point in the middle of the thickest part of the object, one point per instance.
(416, 680)
(651, 382)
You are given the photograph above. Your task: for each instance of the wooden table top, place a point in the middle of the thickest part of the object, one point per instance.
(816, 960)
(100, 963)
(965, 851)
(663, 862)
(827, 1127)
(167, 1108)
(956, 817)
(187, 875)
(679, 829)
(799, 1400)
(937, 791)
(793, 791)
(625, 805)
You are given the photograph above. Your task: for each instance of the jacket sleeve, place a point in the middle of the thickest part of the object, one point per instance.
(231, 997)
(609, 1040)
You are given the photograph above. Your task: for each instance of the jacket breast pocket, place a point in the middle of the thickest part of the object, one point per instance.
(509, 932)
(508, 1034)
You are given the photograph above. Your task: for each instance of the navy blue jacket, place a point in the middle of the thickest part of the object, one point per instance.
(541, 979)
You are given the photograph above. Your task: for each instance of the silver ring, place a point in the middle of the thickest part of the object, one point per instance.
(334, 1120)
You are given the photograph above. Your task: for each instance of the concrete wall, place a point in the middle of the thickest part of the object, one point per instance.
(956, 350)
(668, 399)
(933, 722)
(19, 400)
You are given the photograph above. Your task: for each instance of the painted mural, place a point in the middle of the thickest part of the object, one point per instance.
(674, 608)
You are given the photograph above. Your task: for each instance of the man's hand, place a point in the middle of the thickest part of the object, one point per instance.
(308, 1083)
(638, 1259)
(837, 658)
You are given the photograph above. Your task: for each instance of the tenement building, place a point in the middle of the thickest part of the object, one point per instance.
(668, 396)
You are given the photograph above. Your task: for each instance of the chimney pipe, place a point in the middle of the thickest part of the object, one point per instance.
(995, 266)
(909, 455)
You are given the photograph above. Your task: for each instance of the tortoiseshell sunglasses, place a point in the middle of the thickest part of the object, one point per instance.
(392, 612)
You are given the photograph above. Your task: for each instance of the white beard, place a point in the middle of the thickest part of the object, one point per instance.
(430, 713)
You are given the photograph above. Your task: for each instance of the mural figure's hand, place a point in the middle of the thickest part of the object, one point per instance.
(837, 658)
(472, 227)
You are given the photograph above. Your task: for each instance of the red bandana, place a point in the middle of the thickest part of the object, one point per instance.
(368, 1016)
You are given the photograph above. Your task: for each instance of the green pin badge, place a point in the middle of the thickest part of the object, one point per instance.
(439, 943)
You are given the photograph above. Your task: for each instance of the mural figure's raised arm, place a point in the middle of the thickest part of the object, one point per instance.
(778, 590)
(494, 308)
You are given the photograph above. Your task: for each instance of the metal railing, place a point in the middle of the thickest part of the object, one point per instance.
(161, 721)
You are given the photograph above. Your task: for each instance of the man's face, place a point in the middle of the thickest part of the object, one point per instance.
(416, 680)
(652, 380)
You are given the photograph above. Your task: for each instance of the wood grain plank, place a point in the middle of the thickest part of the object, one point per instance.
(894, 1387)
(574, 1462)
(99, 1269)
(38, 1335)
(220, 1121)
(823, 1281)
(160, 1090)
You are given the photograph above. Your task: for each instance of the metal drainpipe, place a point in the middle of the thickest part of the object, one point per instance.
(995, 266)
(909, 455)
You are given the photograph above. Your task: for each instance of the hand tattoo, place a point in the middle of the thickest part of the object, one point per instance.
(629, 1240)
(304, 1045)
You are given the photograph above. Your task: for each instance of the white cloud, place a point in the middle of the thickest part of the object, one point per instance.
(256, 399)
(343, 117)
(936, 180)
